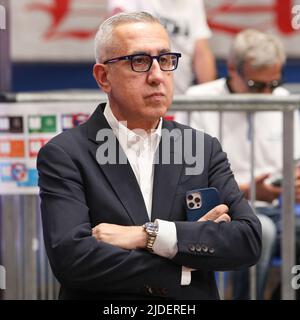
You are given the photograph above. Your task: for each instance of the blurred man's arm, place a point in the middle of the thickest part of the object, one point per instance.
(267, 192)
(204, 62)
(264, 191)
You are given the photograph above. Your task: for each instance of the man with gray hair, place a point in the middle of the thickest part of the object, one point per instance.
(255, 65)
(119, 230)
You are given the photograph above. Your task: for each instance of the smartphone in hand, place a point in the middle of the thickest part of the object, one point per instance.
(200, 201)
(277, 182)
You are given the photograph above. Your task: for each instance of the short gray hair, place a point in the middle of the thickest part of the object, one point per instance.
(104, 36)
(256, 47)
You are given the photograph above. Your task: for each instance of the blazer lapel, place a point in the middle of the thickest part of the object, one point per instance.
(166, 180)
(120, 176)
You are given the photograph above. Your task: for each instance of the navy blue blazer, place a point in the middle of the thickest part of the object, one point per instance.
(77, 193)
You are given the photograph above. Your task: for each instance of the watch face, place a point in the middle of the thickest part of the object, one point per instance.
(151, 228)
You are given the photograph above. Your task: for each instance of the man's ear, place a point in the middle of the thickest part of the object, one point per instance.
(100, 75)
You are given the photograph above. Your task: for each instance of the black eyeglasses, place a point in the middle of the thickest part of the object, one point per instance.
(260, 85)
(142, 62)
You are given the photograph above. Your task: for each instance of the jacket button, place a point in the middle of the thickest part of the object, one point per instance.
(198, 248)
(211, 250)
(191, 247)
(164, 291)
(204, 249)
(155, 291)
(161, 292)
(149, 289)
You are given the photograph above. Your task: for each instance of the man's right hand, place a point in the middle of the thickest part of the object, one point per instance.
(217, 214)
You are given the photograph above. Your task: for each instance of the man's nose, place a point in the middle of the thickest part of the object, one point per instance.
(267, 89)
(155, 74)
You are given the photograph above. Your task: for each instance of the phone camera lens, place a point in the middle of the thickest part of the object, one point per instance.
(197, 200)
(191, 205)
(190, 197)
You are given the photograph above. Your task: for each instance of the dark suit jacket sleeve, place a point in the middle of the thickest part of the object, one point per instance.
(78, 260)
(221, 246)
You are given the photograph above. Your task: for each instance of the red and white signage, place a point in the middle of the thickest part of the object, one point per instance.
(63, 30)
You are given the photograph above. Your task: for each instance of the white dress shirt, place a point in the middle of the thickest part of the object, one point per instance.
(139, 148)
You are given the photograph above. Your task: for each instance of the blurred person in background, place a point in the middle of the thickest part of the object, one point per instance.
(189, 33)
(254, 65)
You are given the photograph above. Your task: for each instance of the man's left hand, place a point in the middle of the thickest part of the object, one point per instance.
(125, 237)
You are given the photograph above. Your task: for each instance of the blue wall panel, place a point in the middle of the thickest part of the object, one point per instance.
(59, 76)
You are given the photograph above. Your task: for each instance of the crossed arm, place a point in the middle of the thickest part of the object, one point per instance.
(267, 192)
(134, 237)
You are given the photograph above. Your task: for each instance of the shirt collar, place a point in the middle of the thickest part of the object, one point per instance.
(131, 136)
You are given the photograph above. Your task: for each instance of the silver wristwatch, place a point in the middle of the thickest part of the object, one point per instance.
(152, 230)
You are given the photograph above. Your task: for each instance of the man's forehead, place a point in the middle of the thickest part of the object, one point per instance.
(141, 32)
(267, 70)
(138, 37)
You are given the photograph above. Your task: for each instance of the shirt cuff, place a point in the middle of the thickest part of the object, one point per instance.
(186, 276)
(165, 244)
